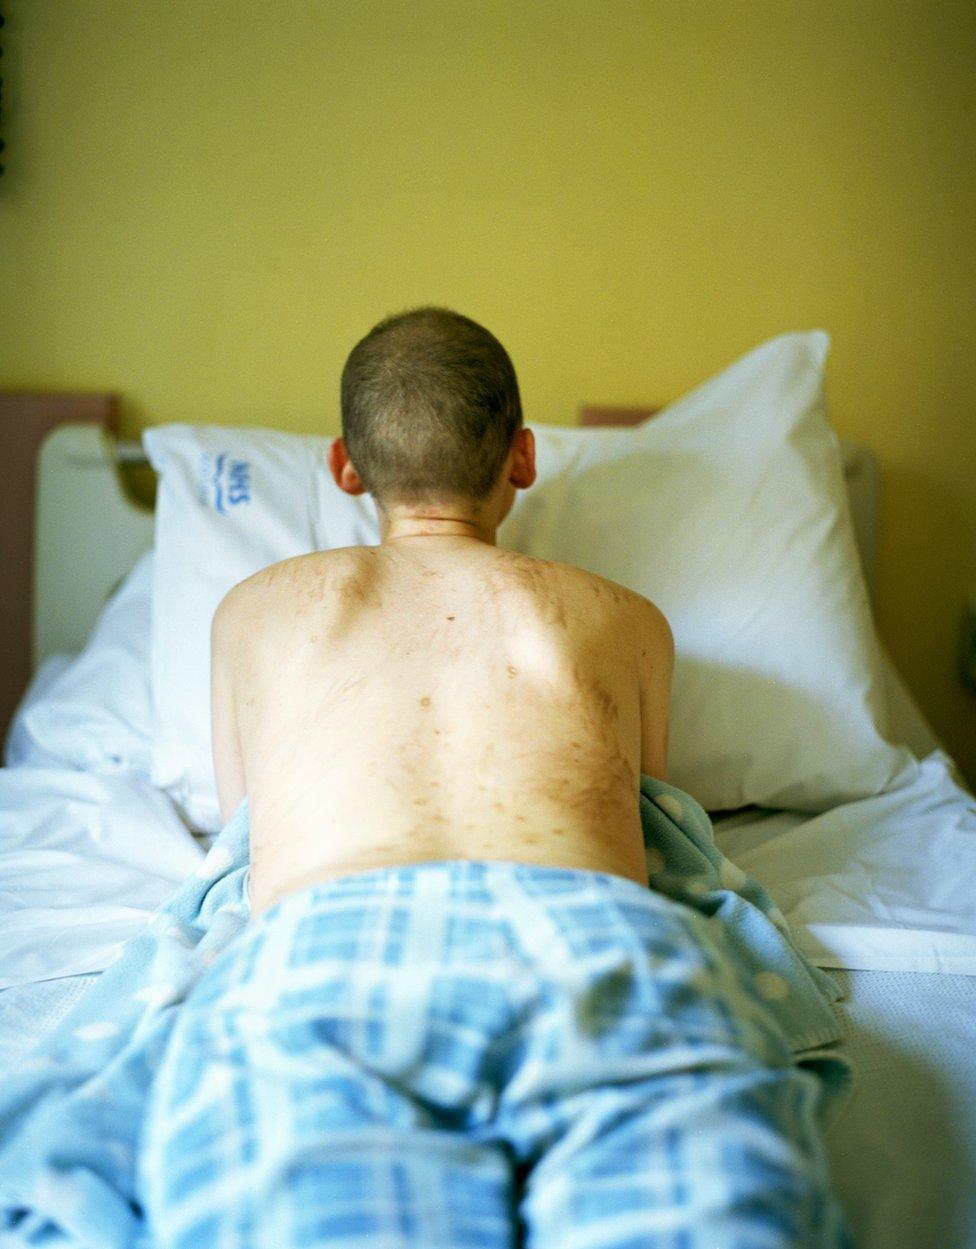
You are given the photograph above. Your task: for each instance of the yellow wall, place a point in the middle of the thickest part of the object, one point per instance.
(207, 203)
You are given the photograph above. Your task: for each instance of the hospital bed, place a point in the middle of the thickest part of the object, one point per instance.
(91, 849)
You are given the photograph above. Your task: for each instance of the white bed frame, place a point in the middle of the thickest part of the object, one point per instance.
(89, 531)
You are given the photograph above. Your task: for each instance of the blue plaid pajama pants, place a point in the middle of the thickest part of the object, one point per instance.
(482, 1055)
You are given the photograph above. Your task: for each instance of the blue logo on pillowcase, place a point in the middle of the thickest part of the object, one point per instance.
(224, 481)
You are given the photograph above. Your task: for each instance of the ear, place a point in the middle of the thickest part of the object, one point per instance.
(523, 472)
(341, 467)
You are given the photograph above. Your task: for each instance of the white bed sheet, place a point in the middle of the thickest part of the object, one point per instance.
(883, 884)
(85, 860)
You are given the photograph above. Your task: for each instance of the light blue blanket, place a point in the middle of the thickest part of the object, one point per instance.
(72, 1111)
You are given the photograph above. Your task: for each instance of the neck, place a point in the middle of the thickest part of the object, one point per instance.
(442, 526)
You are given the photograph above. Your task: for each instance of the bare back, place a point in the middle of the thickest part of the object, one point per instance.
(399, 703)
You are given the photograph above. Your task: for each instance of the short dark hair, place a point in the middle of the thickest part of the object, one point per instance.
(430, 405)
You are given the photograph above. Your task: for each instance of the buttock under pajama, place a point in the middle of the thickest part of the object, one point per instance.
(482, 1055)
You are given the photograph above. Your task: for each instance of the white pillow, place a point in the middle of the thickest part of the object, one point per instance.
(92, 710)
(228, 503)
(728, 510)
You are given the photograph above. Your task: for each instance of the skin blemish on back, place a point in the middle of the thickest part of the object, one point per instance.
(450, 617)
(425, 702)
(512, 672)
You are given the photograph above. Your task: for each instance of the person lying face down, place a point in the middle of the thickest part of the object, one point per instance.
(435, 696)
(458, 1014)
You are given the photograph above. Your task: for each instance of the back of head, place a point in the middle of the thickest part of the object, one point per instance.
(430, 404)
